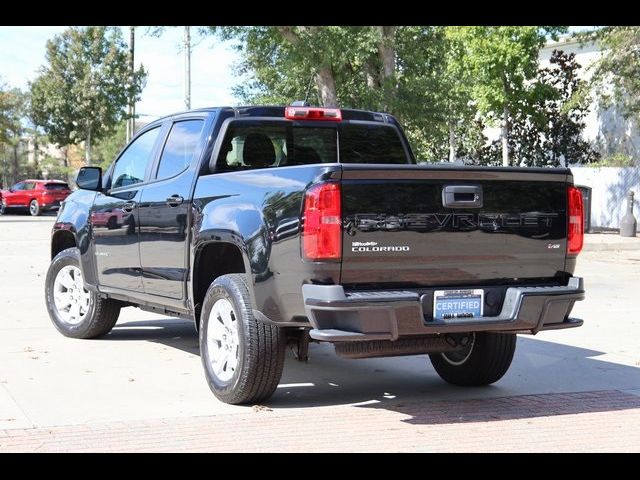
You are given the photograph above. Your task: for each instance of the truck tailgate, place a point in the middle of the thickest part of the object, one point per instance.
(417, 226)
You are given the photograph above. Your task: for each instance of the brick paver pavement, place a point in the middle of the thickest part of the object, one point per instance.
(586, 421)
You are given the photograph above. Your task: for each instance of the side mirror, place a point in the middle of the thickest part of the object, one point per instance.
(90, 178)
(11, 190)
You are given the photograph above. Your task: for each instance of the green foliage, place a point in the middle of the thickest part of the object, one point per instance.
(616, 75)
(13, 148)
(443, 83)
(82, 92)
(55, 169)
(547, 129)
(500, 60)
(615, 160)
(400, 70)
(106, 149)
(12, 108)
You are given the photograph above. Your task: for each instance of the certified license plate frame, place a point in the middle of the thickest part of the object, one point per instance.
(470, 304)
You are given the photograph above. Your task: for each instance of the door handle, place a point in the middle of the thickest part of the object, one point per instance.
(129, 206)
(462, 196)
(174, 200)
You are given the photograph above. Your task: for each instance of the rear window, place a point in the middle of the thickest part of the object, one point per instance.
(370, 144)
(250, 145)
(56, 186)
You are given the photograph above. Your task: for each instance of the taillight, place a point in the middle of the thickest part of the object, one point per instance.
(575, 235)
(313, 113)
(322, 231)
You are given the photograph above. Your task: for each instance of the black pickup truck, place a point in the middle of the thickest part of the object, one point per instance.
(270, 226)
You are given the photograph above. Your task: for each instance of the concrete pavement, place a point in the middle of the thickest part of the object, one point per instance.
(610, 241)
(145, 378)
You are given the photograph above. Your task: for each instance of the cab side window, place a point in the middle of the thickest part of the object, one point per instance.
(253, 146)
(179, 148)
(132, 165)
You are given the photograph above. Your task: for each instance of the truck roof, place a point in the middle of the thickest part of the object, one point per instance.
(279, 111)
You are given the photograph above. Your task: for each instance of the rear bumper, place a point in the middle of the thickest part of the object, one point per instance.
(337, 316)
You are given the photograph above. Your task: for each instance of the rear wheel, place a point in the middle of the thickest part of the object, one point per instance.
(242, 357)
(76, 311)
(483, 360)
(34, 208)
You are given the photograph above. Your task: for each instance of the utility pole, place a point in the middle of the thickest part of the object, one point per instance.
(187, 67)
(131, 121)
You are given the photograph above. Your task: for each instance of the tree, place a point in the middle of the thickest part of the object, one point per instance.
(83, 91)
(12, 102)
(547, 131)
(13, 158)
(107, 148)
(500, 60)
(385, 68)
(565, 113)
(619, 68)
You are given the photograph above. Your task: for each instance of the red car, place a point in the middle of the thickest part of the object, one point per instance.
(36, 195)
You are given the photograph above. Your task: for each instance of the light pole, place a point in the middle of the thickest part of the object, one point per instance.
(131, 121)
(187, 67)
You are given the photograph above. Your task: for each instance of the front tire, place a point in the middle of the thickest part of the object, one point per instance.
(74, 310)
(242, 357)
(34, 208)
(483, 361)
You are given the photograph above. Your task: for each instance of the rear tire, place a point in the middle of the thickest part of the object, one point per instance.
(34, 208)
(485, 361)
(112, 223)
(242, 357)
(64, 289)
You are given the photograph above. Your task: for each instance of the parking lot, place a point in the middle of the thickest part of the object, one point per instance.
(142, 388)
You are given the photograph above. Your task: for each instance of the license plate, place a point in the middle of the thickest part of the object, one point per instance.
(457, 304)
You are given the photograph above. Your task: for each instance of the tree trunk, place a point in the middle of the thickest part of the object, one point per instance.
(387, 51)
(35, 155)
(16, 162)
(327, 87)
(87, 148)
(387, 55)
(505, 136)
(4, 168)
(452, 144)
(371, 74)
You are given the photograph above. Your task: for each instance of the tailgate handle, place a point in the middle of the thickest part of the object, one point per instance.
(462, 196)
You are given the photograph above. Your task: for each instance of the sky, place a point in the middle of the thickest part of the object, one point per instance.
(22, 51)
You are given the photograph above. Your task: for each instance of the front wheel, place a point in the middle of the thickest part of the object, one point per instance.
(242, 357)
(34, 208)
(76, 311)
(482, 361)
